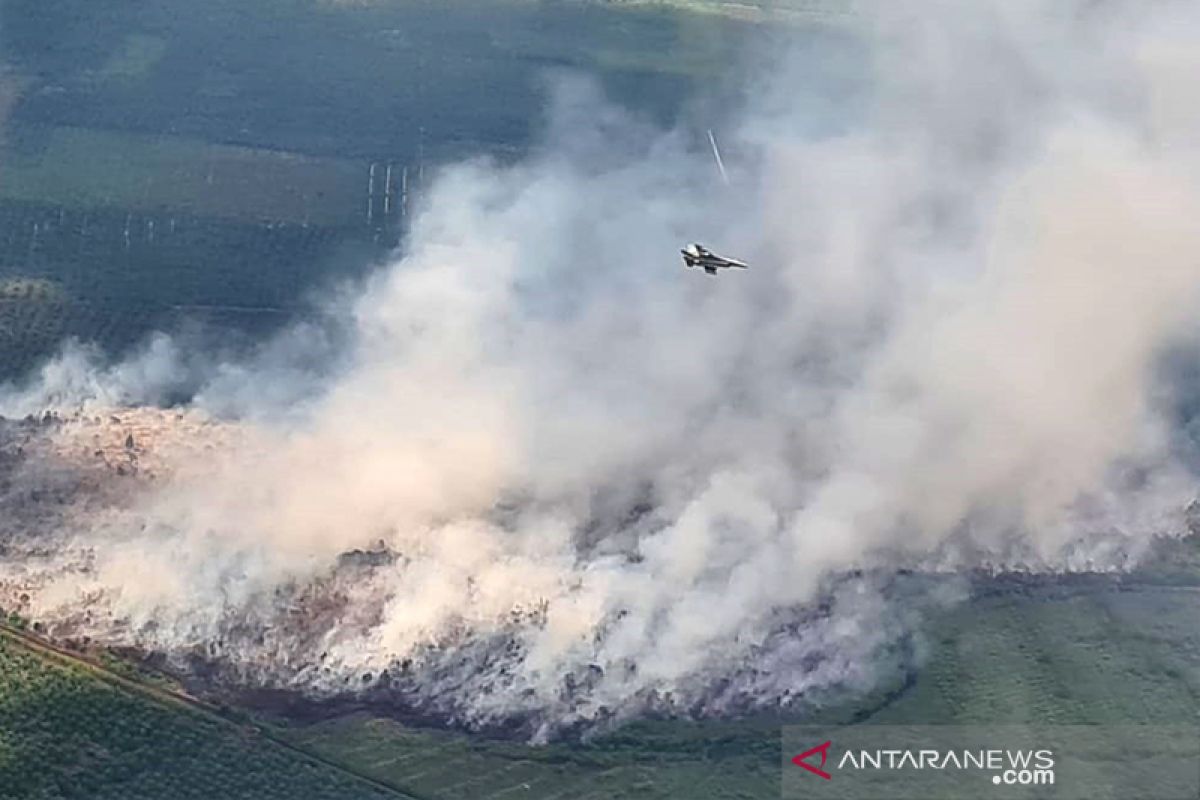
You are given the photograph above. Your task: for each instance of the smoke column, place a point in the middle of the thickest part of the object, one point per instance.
(605, 483)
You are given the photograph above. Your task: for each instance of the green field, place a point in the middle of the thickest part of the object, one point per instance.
(719, 760)
(793, 11)
(378, 80)
(66, 732)
(87, 168)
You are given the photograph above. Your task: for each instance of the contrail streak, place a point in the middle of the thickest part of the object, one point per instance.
(717, 155)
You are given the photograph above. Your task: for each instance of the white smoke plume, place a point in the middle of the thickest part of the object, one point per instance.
(597, 482)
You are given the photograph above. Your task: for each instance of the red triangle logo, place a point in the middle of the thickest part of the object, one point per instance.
(823, 749)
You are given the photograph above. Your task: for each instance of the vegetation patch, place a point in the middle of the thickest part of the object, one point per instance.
(65, 733)
(82, 168)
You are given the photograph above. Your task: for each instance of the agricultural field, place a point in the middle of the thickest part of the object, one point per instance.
(757, 10)
(178, 164)
(720, 760)
(378, 80)
(86, 168)
(112, 276)
(124, 258)
(67, 733)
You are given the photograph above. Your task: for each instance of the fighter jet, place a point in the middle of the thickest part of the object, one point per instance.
(695, 255)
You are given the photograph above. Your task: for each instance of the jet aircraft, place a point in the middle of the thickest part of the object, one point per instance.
(695, 255)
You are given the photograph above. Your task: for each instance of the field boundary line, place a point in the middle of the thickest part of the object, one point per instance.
(186, 702)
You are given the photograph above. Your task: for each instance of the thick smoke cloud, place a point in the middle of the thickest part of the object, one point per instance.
(597, 483)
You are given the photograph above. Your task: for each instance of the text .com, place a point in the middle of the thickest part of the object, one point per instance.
(1024, 777)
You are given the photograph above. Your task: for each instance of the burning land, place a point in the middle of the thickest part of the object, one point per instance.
(282, 651)
(62, 472)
